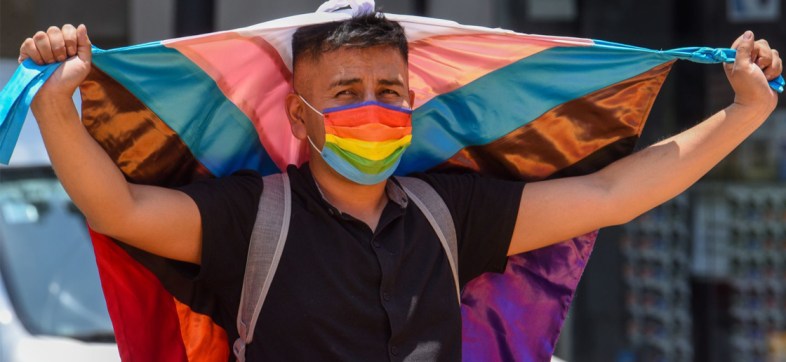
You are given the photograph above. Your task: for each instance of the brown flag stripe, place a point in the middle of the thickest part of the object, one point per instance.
(575, 137)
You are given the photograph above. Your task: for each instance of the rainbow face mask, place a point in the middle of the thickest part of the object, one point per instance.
(364, 141)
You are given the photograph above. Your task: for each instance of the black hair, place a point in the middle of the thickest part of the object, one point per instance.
(364, 31)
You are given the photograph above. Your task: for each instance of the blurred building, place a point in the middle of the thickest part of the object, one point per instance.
(702, 278)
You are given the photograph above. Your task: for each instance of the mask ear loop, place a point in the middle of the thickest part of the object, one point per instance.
(317, 112)
(309, 105)
(313, 145)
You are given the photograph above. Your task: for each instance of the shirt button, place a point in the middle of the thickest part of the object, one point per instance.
(394, 351)
(385, 295)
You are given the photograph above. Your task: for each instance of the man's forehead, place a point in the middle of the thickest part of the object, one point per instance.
(350, 55)
(351, 63)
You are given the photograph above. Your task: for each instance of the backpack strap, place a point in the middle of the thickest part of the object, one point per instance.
(264, 252)
(436, 211)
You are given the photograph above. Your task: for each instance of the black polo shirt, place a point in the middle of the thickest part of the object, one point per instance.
(344, 292)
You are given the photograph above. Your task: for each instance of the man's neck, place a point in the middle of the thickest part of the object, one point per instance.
(364, 202)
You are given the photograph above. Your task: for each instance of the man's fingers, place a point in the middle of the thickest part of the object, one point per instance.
(29, 50)
(776, 68)
(744, 50)
(762, 53)
(83, 45)
(44, 49)
(69, 36)
(57, 43)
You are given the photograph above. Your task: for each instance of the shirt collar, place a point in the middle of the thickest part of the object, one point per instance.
(396, 193)
(393, 189)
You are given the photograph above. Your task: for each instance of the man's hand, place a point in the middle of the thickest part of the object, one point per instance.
(755, 64)
(67, 44)
(556, 210)
(158, 220)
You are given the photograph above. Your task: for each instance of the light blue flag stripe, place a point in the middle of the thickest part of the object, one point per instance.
(515, 95)
(15, 102)
(216, 131)
(224, 140)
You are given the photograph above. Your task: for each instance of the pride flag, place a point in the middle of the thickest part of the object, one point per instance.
(512, 105)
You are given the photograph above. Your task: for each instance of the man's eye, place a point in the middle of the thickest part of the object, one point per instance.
(390, 92)
(344, 93)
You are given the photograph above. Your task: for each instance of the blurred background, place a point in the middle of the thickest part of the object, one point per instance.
(702, 278)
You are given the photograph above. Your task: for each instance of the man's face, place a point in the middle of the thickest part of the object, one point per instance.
(346, 76)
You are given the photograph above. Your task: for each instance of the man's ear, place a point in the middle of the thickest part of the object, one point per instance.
(295, 112)
(411, 99)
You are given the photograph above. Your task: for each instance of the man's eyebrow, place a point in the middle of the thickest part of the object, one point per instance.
(352, 81)
(389, 82)
(344, 82)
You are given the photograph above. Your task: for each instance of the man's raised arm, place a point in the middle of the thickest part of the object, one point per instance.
(159, 220)
(556, 210)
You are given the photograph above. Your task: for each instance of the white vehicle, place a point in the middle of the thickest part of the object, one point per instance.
(51, 304)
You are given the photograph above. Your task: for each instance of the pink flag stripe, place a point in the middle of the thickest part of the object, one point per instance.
(441, 64)
(251, 75)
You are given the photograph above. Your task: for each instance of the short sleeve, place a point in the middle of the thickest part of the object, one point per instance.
(228, 208)
(484, 211)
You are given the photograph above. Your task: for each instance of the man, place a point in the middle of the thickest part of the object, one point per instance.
(363, 277)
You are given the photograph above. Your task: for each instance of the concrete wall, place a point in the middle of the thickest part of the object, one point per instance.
(151, 20)
(237, 13)
(107, 21)
(470, 12)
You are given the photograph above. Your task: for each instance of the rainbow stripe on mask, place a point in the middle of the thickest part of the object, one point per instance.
(364, 142)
